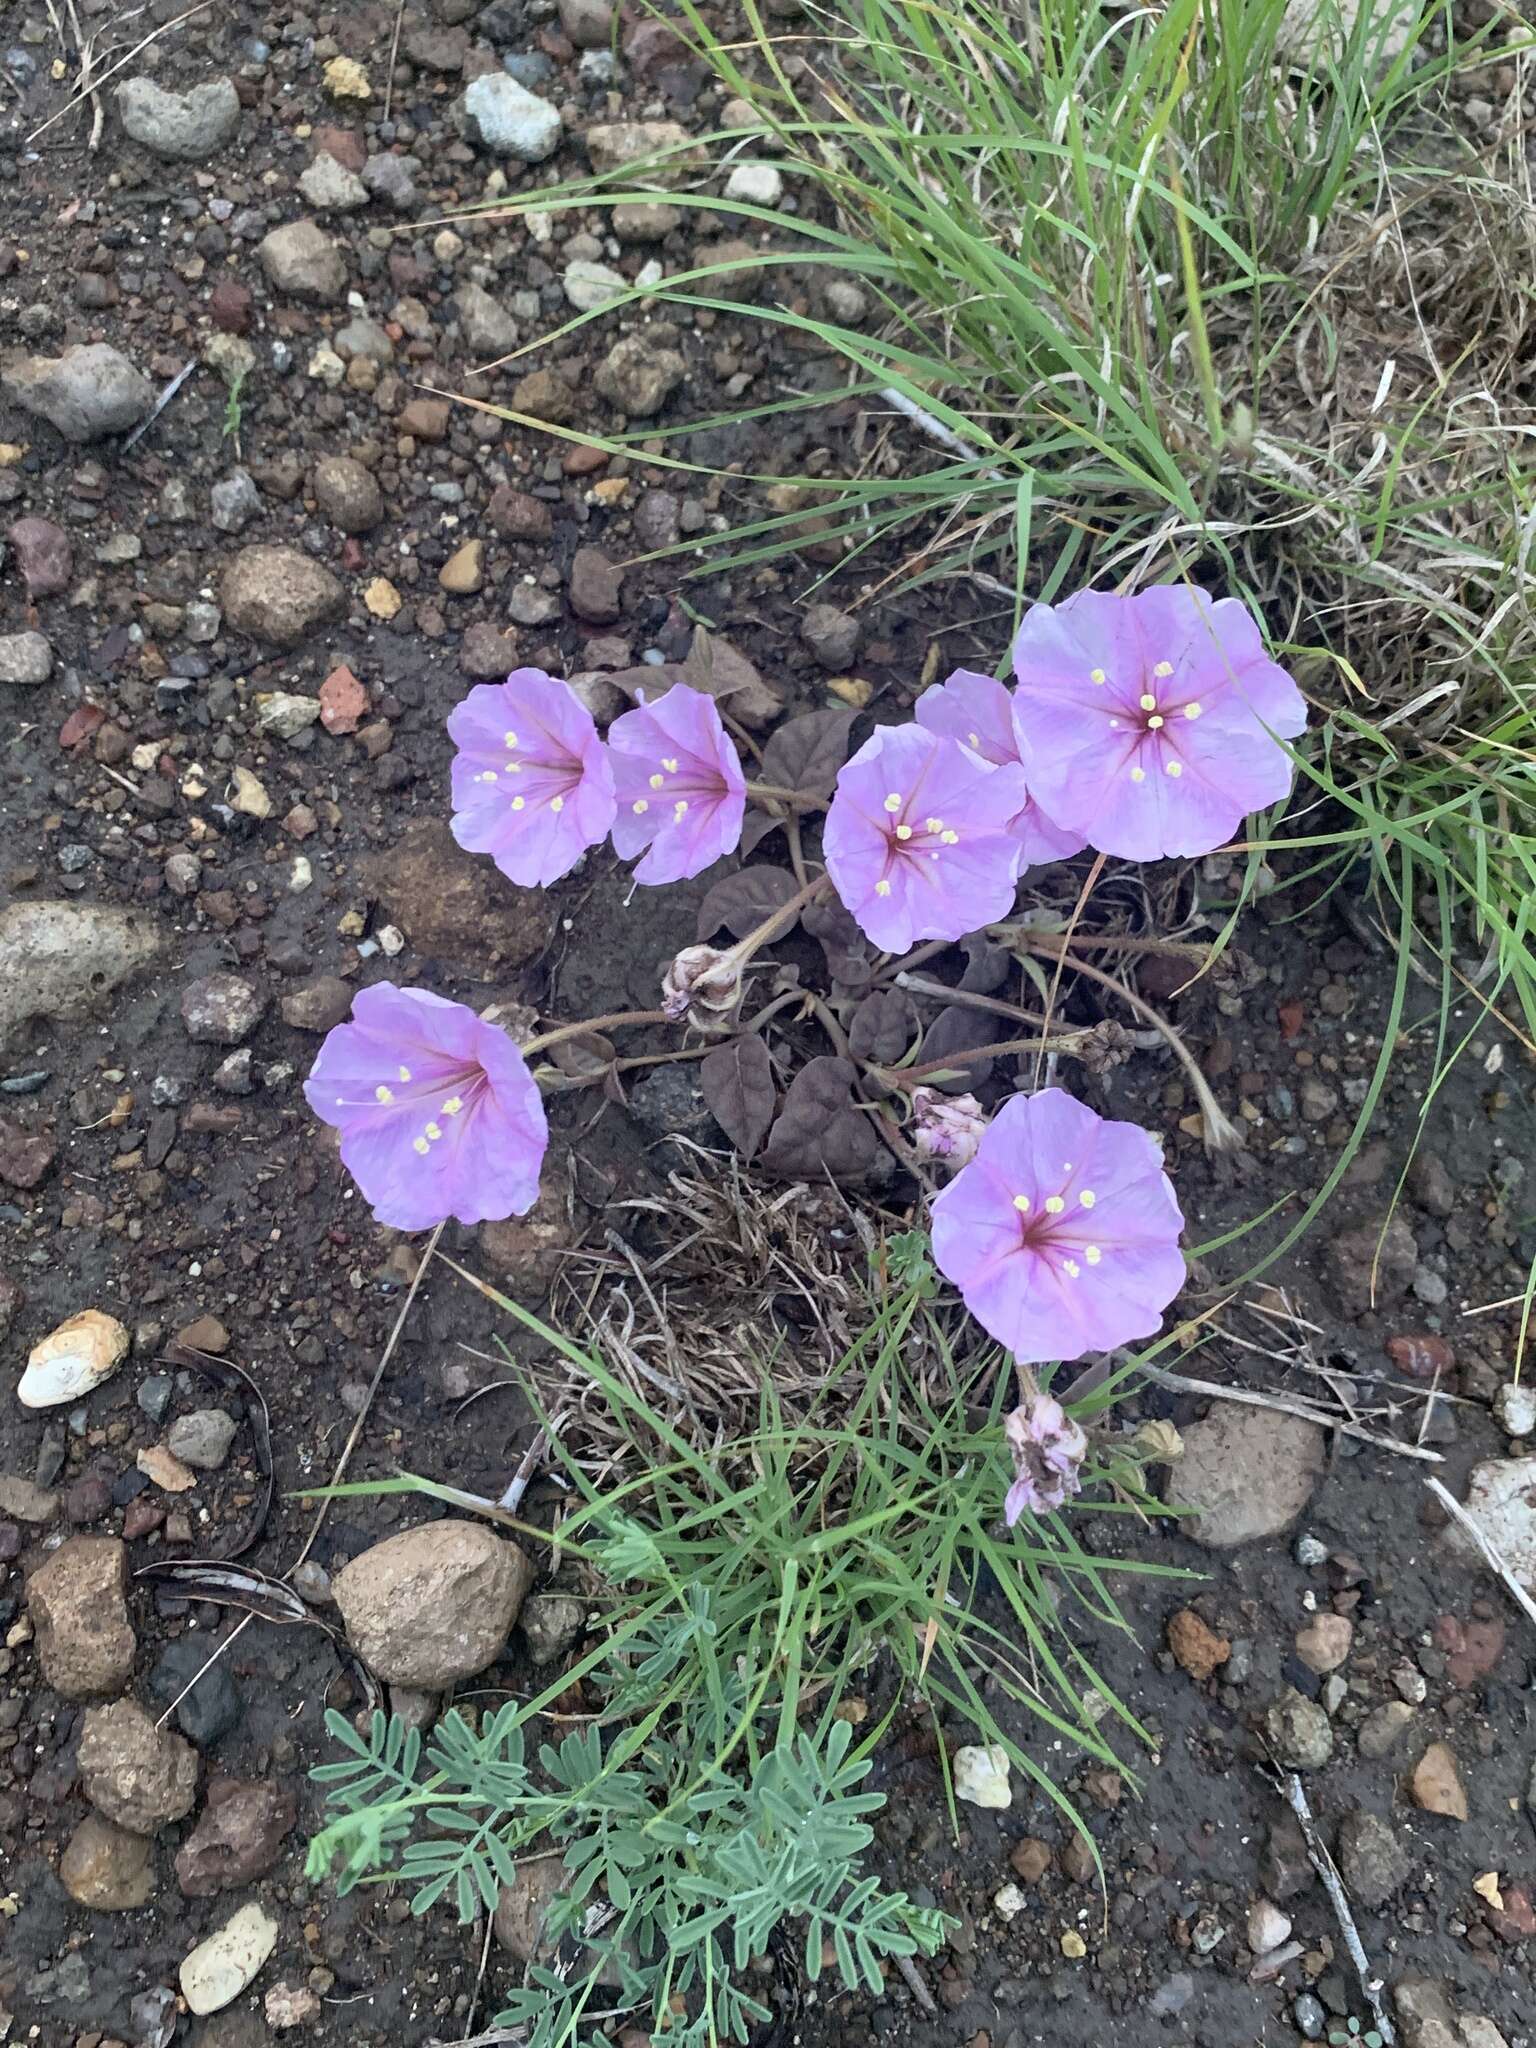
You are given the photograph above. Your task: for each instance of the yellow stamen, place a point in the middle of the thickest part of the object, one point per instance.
(488, 775)
(933, 824)
(679, 808)
(669, 762)
(1054, 1205)
(453, 1105)
(420, 1145)
(657, 781)
(434, 1130)
(1163, 668)
(1154, 722)
(1092, 1254)
(1138, 775)
(974, 738)
(383, 1094)
(1148, 702)
(950, 838)
(640, 806)
(1192, 709)
(557, 803)
(513, 767)
(1097, 675)
(519, 803)
(1087, 1198)
(405, 1073)
(903, 831)
(1174, 768)
(893, 801)
(509, 740)
(1021, 1203)
(1071, 1268)
(882, 888)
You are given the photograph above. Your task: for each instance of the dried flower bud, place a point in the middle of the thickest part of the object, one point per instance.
(946, 1127)
(1107, 1045)
(702, 982)
(1159, 1443)
(1048, 1450)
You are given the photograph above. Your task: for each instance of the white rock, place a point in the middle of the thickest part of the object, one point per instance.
(72, 1360)
(329, 187)
(284, 714)
(1009, 1901)
(1514, 1409)
(61, 960)
(981, 1775)
(248, 794)
(1501, 1500)
(756, 184)
(218, 1969)
(505, 117)
(589, 285)
(1267, 1926)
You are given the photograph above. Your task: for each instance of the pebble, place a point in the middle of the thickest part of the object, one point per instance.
(26, 659)
(87, 392)
(597, 587)
(107, 1868)
(345, 79)
(219, 1969)
(291, 2005)
(302, 261)
(755, 184)
(637, 376)
(318, 1005)
(202, 1438)
(44, 555)
(1325, 1642)
(1501, 1500)
(62, 960)
(1372, 1861)
(1436, 1783)
(221, 1009)
(488, 328)
(981, 1775)
(139, 1776)
(1298, 1732)
(329, 187)
(165, 1470)
(214, 1704)
(434, 1604)
(1196, 1648)
(551, 1623)
(1514, 1408)
(234, 501)
(238, 1837)
(1172, 1995)
(284, 713)
(1383, 1728)
(343, 701)
(279, 595)
(589, 286)
(71, 1360)
(832, 636)
(1310, 2016)
(1246, 1475)
(505, 118)
(78, 1602)
(248, 794)
(184, 127)
(348, 494)
(1267, 1927)
(464, 571)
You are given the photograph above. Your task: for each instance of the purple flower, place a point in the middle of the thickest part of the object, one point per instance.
(680, 788)
(978, 711)
(919, 840)
(1048, 1452)
(1150, 722)
(531, 781)
(438, 1113)
(946, 1127)
(1062, 1234)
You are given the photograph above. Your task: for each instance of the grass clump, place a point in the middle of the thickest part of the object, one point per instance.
(765, 1621)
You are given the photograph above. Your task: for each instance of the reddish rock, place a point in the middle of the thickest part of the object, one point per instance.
(345, 144)
(43, 555)
(25, 1156)
(425, 418)
(1436, 1783)
(343, 701)
(231, 306)
(1472, 1648)
(1030, 1859)
(487, 652)
(1514, 1921)
(84, 720)
(1196, 1648)
(597, 586)
(139, 1517)
(517, 515)
(1421, 1357)
(239, 1836)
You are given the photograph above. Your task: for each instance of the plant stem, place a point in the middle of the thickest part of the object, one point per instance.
(903, 1077)
(615, 1022)
(797, 800)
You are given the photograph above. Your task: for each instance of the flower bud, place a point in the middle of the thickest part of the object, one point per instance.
(704, 982)
(1048, 1450)
(946, 1127)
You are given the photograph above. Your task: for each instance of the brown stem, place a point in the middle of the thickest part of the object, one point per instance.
(795, 799)
(970, 1001)
(741, 953)
(1221, 1134)
(904, 1077)
(616, 1021)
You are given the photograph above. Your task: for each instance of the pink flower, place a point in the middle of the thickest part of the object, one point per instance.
(1062, 1234)
(978, 711)
(919, 840)
(1048, 1451)
(438, 1113)
(680, 788)
(946, 1127)
(1152, 723)
(531, 782)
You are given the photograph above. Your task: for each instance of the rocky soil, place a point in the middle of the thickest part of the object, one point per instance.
(229, 636)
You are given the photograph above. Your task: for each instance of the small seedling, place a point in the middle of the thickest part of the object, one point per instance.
(1353, 2035)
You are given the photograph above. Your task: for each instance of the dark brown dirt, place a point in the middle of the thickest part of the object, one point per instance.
(166, 1198)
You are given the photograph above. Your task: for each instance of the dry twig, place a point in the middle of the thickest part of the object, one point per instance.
(1323, 1864)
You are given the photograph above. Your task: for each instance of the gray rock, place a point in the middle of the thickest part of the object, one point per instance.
(637, 376)
(589, 285)
(79, 1607)
(488, 328)
(202, 1438)
(221, 1009)
(1245, 1474)
(364, 337)
(302, 261)
(551, 1622)
(1383, 1728)
(502, 116)
(25, 658)
(88, 391)
(279, 595)
(1372, 1861)
(348, 494)
(1310, 2017)
(831, 635)
(597, 586)
(588, 23)
(61, 960)
(1371, 1267)
(139, 1776)
(1298, 1732)
(185, 127)
(388, 176)
(213, 1705)
(329, 187)
(234, 501)
(434, 1604)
